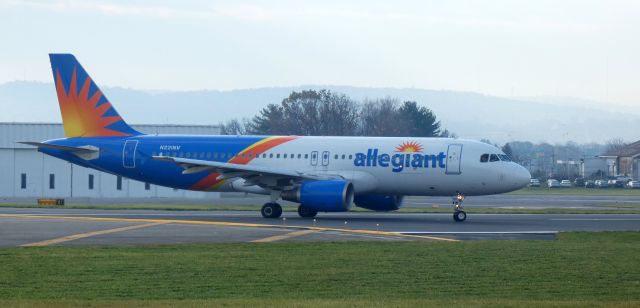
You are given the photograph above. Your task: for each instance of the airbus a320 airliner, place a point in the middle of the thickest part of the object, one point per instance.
(322, 174)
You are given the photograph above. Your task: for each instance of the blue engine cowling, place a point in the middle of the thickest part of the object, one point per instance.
(379, 202)
(323, 196)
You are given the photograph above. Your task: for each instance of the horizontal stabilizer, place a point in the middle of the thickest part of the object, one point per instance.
(85, 149)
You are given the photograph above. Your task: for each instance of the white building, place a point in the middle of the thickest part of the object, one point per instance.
(27, 173)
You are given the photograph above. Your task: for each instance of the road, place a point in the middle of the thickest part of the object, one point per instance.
(50, 226)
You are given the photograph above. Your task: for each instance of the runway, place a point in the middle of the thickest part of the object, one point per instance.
(45, 227)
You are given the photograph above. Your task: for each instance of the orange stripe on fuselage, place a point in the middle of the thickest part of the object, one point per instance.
(210, 182)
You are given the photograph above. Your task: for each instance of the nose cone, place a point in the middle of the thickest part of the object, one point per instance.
(522, 177)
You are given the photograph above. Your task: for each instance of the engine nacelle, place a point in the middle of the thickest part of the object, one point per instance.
(323, 196)
(379, 202)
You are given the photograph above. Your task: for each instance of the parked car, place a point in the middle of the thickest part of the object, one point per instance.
(565, 183)
(589, 184)
(579, 182)
(633, 184)
(534, 183)
(617, 183)
(602, 183)
(551, 183)
(624, 178)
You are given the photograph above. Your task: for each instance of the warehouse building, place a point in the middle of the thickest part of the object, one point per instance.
(624, 161)
(27, 173)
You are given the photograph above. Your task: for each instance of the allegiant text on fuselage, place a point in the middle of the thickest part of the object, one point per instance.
(400, 160)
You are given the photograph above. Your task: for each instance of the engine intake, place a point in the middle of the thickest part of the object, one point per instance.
(323, 196)
(379, 202)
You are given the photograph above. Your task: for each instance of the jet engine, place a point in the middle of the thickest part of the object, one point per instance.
(323, 196)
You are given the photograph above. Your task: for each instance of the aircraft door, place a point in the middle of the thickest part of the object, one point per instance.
(314, 158)
(325, 158)
(129, 154)
(454, 155)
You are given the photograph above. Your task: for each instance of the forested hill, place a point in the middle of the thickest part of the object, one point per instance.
(467, 114)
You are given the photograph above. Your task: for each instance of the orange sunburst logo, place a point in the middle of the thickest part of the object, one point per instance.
(409, 147)
(80, 114)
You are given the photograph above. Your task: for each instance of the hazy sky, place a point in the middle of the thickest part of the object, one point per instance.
(587, 49)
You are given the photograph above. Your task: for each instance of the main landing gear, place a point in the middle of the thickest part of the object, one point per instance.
(271, 210)
(459, 215)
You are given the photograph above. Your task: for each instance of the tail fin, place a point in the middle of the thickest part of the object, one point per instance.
(86, 112)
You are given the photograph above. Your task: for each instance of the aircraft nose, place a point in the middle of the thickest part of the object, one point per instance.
(522, 177)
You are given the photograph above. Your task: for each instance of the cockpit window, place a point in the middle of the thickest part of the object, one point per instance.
(493, 158)
(484, 158)
(504, 157)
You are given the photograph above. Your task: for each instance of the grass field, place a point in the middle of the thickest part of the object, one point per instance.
(578, 269)
(580, 191)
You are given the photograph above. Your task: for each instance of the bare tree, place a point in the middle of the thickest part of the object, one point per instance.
(379, 118)
(614, 146)
(235, 127)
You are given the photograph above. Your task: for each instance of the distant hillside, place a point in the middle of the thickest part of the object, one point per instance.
(469, 115)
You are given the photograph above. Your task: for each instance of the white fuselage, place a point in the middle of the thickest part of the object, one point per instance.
(438, 166)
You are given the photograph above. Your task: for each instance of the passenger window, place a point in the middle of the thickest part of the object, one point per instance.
(306, 156)
(493, 158)
(284, 156)
(278, 155)
(271, 155)
(484, 158)
(264, 155)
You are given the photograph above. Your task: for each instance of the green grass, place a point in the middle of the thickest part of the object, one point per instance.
(578, 269)
(580, 191)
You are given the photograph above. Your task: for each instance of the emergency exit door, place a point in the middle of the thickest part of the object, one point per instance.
(454, 155)
(325, 158)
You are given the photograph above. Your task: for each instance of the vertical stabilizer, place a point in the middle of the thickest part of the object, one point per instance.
(86, 112)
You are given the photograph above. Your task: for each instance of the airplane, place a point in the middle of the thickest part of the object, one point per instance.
(321, 174)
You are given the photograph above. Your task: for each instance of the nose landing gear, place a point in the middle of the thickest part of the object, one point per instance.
(459, 214)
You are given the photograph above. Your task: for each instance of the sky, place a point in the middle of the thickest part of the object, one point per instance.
(585, 49)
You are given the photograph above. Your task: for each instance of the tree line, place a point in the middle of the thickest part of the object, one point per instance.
(325, 113)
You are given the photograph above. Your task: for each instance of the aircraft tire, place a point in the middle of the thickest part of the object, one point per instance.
(271, 210)
(459, 216)
(306, 212)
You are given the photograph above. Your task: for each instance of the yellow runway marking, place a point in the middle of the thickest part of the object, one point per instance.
(284, 236)
(228, 224)
(88, 234)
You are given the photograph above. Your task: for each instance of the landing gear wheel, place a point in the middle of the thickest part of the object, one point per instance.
(306, 212)
(459, 216)
(271, 210)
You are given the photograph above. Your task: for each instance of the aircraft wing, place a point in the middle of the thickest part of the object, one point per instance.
(248, 172)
